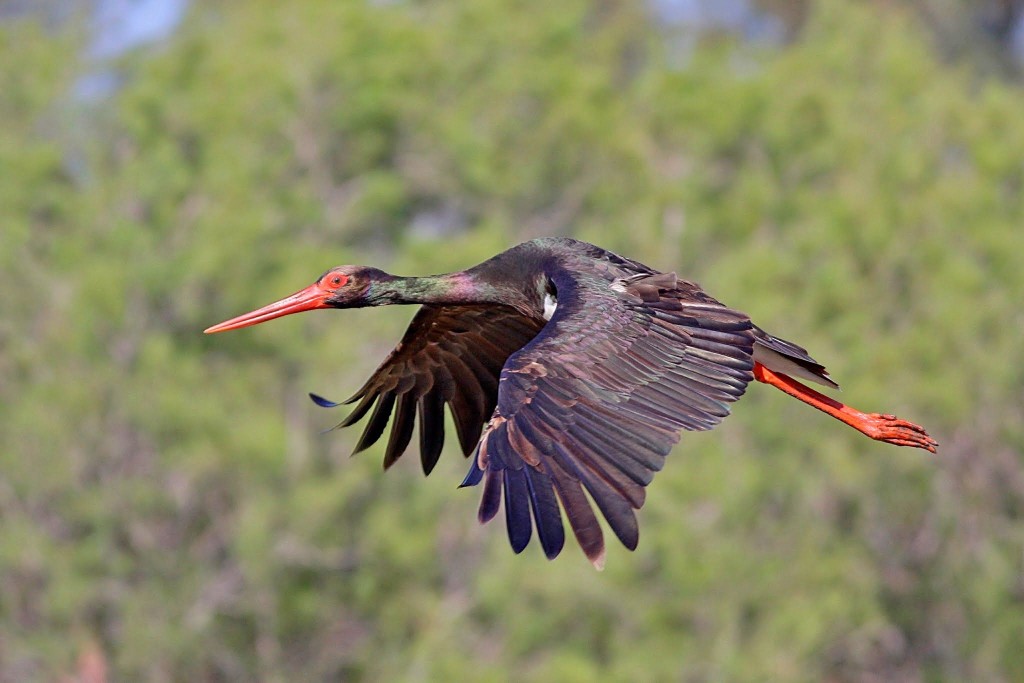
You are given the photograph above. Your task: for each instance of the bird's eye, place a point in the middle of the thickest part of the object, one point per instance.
(336, 281)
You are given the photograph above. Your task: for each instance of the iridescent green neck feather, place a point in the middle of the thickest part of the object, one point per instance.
(450, 288)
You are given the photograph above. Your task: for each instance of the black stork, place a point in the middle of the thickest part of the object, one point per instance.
(566, 368)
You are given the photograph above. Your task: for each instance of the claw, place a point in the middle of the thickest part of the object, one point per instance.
(890, 429)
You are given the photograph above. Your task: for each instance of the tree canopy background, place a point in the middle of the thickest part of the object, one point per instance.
(170, 510)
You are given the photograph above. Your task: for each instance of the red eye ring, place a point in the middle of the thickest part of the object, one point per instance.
(335, 281)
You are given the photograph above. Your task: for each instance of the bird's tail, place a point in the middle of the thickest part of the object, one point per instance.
(786, 357)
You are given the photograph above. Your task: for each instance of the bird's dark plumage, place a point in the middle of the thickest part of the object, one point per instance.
(588, 403)
(596, 401)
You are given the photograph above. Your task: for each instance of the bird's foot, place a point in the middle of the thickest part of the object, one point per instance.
(891, 429)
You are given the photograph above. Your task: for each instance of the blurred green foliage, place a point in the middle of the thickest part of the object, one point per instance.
(167, 499)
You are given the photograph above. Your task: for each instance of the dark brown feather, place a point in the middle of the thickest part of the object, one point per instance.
(431, 414)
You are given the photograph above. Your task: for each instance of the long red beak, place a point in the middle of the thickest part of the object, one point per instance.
(308, 299)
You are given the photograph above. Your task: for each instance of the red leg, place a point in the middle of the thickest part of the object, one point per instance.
(886, 428)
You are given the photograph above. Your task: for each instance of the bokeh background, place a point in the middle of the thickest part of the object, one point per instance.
(848, 173)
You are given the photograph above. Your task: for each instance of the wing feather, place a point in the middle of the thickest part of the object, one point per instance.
(517, 509)
(546, 512)
(431, 413)
(401, 428)
(581, 516)
(490, 500)
(378, 420)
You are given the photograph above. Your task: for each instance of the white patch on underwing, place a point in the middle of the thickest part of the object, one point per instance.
(550, 304)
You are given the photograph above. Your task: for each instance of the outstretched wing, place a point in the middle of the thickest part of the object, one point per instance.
(449, 355)
(596, 401)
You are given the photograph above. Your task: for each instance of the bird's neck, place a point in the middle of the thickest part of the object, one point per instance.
(450, 288)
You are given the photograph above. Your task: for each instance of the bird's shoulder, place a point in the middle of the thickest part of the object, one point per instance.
(576, 254)
(588, 261)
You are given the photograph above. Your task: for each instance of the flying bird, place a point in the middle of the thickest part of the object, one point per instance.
(568, 370)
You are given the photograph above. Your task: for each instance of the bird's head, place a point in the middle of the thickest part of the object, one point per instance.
(340, 287)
